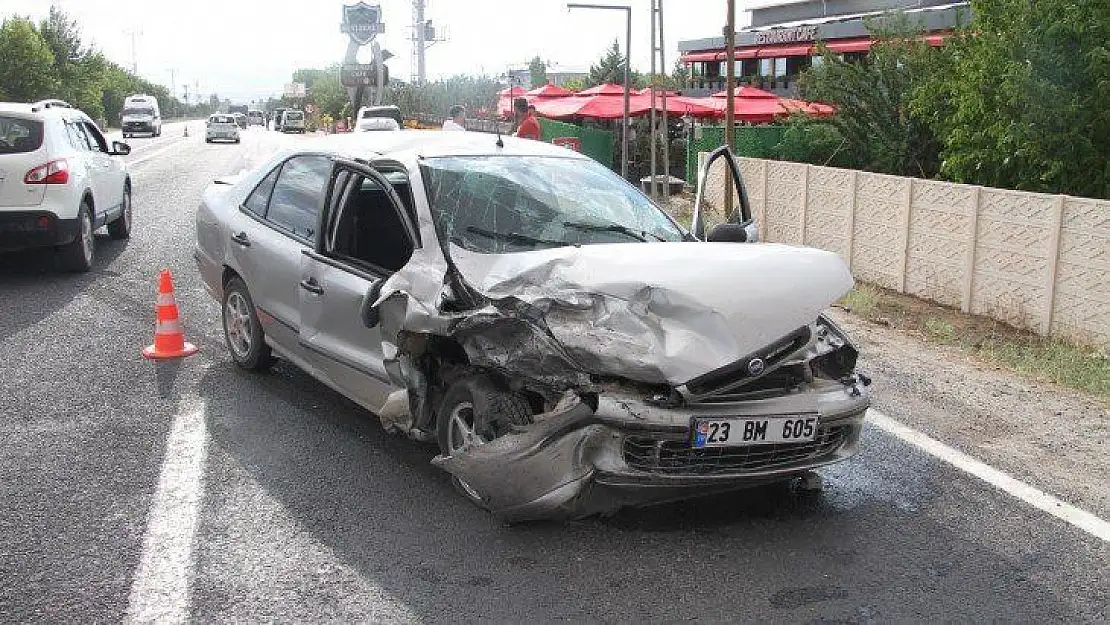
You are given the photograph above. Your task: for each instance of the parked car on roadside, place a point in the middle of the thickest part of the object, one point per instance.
(60, 180)
(569, 347)
(221, 126)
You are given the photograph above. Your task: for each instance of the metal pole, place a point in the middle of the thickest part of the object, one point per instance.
(730, 85)
(627, 63)
(420, 42)
(627, 86)
(666, 126)
(654, 127)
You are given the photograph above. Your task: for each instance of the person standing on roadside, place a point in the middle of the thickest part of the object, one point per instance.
(529, 128)
(457, 119)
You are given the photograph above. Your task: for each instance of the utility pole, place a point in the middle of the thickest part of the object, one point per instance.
(418, 36)
(730, 98)
(658, 53)
(424, 36)
(173, 89)
(134, 54)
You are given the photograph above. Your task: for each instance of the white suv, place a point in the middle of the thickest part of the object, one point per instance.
(59, 181)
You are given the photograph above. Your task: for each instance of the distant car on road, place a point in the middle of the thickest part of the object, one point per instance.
(376, 123)
(292, 121)
(380, 112)
(570, 347)
(240, 120)
(256, 118)
(60, 180)
(221, 126)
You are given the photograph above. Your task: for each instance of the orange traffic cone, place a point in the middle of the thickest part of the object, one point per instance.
(169, 338)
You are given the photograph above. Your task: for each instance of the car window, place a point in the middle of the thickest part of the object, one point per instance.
(77, 136)
(260, 197)
(368, 230)
(295, 202)
(18, 135)
(508, 204)
(96, 140)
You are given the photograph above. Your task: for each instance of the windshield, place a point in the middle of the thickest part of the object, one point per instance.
(293, 115)
(499, 204)
(134, 110)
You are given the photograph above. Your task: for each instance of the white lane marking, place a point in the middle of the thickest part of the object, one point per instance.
(147, 157)
(1033, 496)
(160, 589)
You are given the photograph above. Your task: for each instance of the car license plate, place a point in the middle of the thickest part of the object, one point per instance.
(740, 431)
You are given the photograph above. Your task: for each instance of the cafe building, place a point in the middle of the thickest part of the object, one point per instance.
(782, 39)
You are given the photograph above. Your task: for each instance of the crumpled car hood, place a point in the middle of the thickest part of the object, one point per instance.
(663, 312)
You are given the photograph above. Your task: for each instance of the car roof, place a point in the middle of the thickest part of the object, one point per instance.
(431, 144)
(24, 109)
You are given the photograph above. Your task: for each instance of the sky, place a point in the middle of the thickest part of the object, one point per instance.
(248, 49)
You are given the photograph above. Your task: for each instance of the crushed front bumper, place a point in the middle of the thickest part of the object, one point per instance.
(579, 462)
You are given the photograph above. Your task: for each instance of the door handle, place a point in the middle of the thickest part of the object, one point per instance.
(312, 286)
(241, 239)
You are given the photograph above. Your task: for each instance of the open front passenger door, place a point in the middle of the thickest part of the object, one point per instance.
(366, 236)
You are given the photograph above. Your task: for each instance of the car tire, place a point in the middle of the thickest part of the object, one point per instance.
(120, 228)
(77, 255)
(456, 414)
(207, 140)
(236, 141)
(242, 331)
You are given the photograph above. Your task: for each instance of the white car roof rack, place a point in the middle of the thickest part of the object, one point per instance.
(50, 103)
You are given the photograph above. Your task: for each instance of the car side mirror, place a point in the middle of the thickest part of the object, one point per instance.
(120, 148)
(734, 233)
(369, 312)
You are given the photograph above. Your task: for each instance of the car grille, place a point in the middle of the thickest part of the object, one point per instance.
(674, 457)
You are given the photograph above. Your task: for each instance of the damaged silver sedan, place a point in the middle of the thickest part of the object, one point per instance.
(570, 348)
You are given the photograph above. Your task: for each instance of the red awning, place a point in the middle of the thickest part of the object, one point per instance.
(861, 44)
(702, 57)
(783, 50)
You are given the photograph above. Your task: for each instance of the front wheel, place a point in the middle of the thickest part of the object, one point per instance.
(475, 410)
(242, 332)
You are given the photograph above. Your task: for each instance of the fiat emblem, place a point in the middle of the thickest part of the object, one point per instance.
(756, 366)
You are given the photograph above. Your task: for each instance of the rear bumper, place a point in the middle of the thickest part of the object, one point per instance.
(35, 228)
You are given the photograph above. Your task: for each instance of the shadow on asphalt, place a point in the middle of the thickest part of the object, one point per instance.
(374, 500)
(23, 275)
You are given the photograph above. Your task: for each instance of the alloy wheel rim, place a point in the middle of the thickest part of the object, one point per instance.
(86, 237)
(237, 324)
(462, 431)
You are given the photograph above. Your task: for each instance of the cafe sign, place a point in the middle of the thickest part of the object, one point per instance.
(786, 35)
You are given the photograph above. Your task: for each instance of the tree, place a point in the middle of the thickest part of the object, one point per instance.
(609, 69)
(874, 119)
(1024, 102)
(538, 69)
(27, 71)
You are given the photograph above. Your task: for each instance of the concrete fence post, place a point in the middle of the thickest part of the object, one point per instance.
(804, 200)
(766, 200)
(969, 256)
(907, 213)
(851, 236)
(1054, 236)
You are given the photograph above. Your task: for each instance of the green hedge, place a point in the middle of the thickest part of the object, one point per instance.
(597, 144)
(751, 141)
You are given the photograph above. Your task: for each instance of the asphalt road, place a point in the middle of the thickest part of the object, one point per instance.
(288, 503)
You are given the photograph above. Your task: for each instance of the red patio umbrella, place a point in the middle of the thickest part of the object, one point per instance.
(747, 92)
(512, 92)
(549, 91)
(608, 89)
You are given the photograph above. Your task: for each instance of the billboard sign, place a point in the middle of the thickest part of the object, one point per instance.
(294, 90)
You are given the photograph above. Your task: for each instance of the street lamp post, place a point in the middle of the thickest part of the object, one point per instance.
(627, 62)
